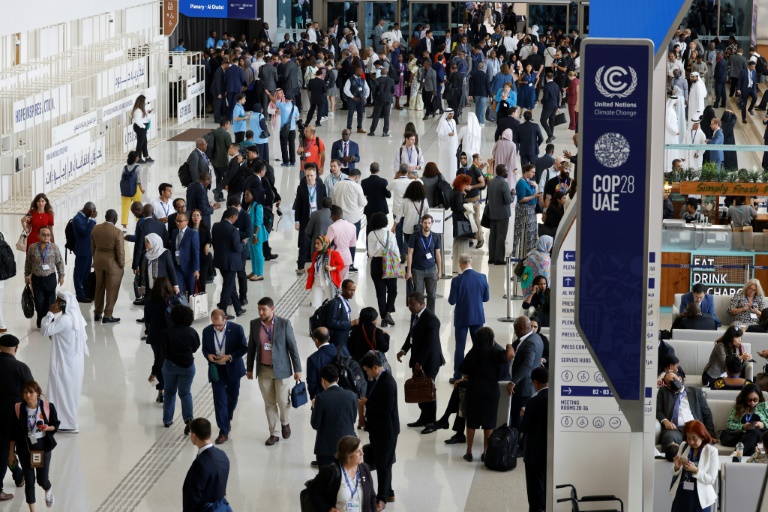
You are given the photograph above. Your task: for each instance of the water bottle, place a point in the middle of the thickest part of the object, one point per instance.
(739, 449)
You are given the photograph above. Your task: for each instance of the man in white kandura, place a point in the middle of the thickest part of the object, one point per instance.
(694, 158)
(448, 144)
(65, 325)
(697, 97)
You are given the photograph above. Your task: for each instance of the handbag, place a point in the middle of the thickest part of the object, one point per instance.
(299, 395)
(198, 302)
(464, 229)
(560, 119)
(28, 302)
(378, 353)
(420, 388)
(520, 268)
(490, 114)
(21, 243)
(391, 267)
(485, 220)
(213, 372)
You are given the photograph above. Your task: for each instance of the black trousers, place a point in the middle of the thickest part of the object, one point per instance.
(305, 247)
(157, 364)
(753, 96)
(219, 108)
(44, 289)
(427, 96)
(221, 173)
(734, 80)
(548, 122)
(536, 485)
(459, 423)
(518, 402)
(384, 455)
(141, 141)
(321, 106)
(386, 289)
(242, 281)
(30, 472)
(288, 147)
(228, 291)
(380, 110)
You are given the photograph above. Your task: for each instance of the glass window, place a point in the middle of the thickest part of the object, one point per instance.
(545, 16)
(436, 15)
(405, 18)
(736, 20)
(372, 13)
(586, 22)
(344, 11)
(702, 18)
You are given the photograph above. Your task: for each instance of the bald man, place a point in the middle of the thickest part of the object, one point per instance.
(528, 357)
(199, 162)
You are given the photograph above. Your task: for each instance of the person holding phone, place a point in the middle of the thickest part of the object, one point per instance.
(747, 304)
(694, 473)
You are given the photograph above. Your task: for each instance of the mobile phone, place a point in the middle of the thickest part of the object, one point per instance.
(684, 460)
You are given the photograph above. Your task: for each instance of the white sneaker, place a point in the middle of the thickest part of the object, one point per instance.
(323, 119)
(331, 114)
(49, 498)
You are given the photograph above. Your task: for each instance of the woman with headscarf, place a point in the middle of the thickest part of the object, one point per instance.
(538, 298)
(539, 262)
(65, 325)
(324, 274)
(258, 237)
(671, 132)
(156, 262)
(470, 135)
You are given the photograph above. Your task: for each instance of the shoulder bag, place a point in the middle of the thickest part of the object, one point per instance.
(391, 267)
(285, 129)
(420, 388)
(21, 243)
(382, 357)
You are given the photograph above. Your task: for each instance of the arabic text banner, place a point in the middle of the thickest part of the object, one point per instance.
(70, 160)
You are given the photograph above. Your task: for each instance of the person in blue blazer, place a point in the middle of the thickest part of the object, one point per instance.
(529, 138)
(334, 413)
(468, 292)
(83, 223)
(326, 354)
(345, 151)
(338, 317)
(205, 485)
(224, 345)
(716, 155)
(227, 258)
(699, 294)
(748, 89)
(185, 249)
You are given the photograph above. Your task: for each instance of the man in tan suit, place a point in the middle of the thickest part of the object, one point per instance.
(108, 262)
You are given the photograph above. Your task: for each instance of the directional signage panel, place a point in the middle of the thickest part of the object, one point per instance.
(240, 9)
(611, 281)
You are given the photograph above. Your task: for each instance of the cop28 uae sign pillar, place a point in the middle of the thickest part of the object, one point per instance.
(612, 238)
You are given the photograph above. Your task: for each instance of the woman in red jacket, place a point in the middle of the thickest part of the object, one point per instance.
(324, 275)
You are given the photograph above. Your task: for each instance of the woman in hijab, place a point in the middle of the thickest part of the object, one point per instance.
(470, 135)
(538, 261)
(671, 133)
(65, 325)
(324, 275)
(156, 262)
(258, 237)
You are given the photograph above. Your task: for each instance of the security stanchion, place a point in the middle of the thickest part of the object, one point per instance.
(508, 295)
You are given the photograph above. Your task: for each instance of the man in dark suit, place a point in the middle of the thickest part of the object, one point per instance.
(206, 483)
(699, 294)
(268, 78)
(382, 421)
(545, 161)
(325, 354)
(309, 195)
(185, 249)
(346, 151)
(219, 92)
(550, 102)
(235, 81)
(693, 318)
(675, 406)
(511, 122)
(245, 228)
(424, 341)
(274, 355)
(469, 290)
(197, 198)
(428, 44)
(316, 89)
(320, 221)
(334, 413)
(530, 138)
(179, 206)
(338, 318)
(198, 161)
(148, 225)
(376, 193)
(224, 345)
(83, 223)
(383, 91)
(748, 89)
(528, 357)
(534, 426)
(228, 259)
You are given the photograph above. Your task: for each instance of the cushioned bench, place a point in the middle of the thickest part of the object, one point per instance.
(720, 409)
(694, 356)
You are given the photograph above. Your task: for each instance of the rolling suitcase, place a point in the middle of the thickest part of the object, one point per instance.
(501, 454)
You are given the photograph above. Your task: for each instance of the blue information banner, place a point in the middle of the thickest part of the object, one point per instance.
(240, 9)
(612, 229)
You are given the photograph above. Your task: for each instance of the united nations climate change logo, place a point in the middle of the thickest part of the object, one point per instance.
(616, 81)
(612, 150)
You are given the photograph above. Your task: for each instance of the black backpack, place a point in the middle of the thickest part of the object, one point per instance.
(7, 261)
(761, 66)
(442, 193)
(71, 241)
(501, 454)
(351, 375)
(185, 175)
(318, 317)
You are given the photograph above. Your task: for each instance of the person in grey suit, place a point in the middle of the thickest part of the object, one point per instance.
(288, 75)
(320, 220)
(378, 31)
(499, 211)
(198, 161)
(273, 351)
(334, 413)
(428, 88)
(268, 79)
(528, 357)
(672, 413)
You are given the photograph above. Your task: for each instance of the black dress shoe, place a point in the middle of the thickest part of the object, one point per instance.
(140, 320)
(435, 426)
(96, 318)
(187, 426)
(352, 269)
(138, 302)
(244, 301)
(389, 319)
(240, 313)
(420, 423)
(274, 256)
(457, 439)
(110, 320)
(230, 317)
(84, 300)
(451, 381)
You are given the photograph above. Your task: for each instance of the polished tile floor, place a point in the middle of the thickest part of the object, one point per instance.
(124, 460)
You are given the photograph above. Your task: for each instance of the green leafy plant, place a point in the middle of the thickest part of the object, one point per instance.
(709, 172)
(754, 176)
(731, 177)
(689, 174)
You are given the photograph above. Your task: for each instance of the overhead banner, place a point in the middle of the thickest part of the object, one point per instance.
(45, 106)
(121, 77)
(240, 9)
(75, 127)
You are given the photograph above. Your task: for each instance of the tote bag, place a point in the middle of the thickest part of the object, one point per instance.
(198, 302)
(391, 268)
